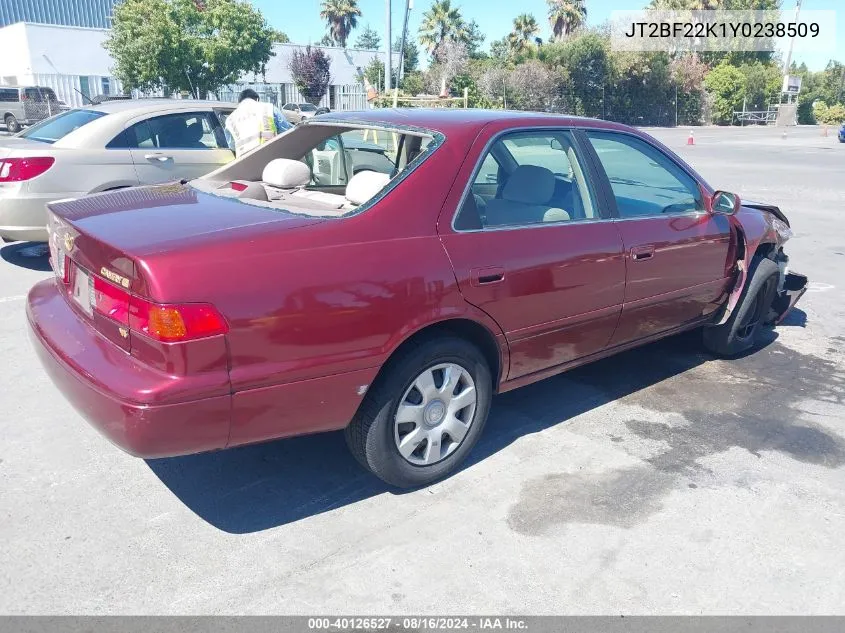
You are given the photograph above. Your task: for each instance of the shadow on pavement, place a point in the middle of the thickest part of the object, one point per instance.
(32, 255)
(254, 488)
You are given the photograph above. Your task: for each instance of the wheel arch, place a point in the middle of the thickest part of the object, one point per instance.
(480, 335)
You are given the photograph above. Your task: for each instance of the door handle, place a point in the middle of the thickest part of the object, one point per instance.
(159, 157)
(639, 253)
(486, 276)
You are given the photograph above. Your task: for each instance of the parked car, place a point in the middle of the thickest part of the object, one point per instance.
(106, 146)
(842, 133)
(502, 248)
(296, 112)
(25, 105)
(321, 110)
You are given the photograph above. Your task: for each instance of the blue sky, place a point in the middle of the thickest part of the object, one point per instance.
(300, 19)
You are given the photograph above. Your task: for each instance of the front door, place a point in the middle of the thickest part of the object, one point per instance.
(676, 251)
(532, 249)
(178, 145)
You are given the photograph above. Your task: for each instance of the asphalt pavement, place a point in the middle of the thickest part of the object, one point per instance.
(658, 481)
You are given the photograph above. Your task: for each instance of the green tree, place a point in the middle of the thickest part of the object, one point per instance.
(326, 40)
(413, 83)
(374, 72)
(310, 71)
(442, 22)
(411, 56)
(474, 40)
(368, 39)
(763, 83)
(565, 16)
(586, 63)
(500, 50)
(279, 37)
(341, 17)
(727, 85)
(182, 45)
(521, 37)
(829, 115)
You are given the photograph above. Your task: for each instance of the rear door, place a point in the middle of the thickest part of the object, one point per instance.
(535, 250)
(676, 251)
(184, 144)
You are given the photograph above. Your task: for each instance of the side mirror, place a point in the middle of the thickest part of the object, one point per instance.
(725, 202)
(556, 144)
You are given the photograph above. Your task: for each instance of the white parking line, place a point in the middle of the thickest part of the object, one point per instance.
(15, 298)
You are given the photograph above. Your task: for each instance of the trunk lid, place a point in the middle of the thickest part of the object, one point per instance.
(106, 237)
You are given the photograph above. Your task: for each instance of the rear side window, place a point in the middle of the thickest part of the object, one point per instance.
(528, 178)
(8, 95)
(57, 127)
(185, 130)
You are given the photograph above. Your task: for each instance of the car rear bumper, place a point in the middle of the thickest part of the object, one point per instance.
(23, 215)
(103, 383)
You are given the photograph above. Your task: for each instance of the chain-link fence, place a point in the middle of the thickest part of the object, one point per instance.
(642, 107)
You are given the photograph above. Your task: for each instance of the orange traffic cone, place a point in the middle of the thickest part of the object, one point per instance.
(690, 139)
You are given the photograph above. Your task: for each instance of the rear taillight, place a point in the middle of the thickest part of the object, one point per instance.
(19, 169)
(111, 301)
(169, 323)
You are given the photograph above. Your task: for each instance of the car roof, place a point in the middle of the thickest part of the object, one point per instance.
(446, 120)
(148, 105)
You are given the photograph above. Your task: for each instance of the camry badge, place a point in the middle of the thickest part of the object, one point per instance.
(112, 276)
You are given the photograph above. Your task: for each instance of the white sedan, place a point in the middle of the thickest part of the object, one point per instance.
(106, 146)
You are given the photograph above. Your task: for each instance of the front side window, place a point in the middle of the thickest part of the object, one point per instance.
(185, 130)
(57, 127)
(528, 178)
(645, 182)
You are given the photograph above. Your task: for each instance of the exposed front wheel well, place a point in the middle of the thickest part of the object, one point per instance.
(466, 329)
(765, 251)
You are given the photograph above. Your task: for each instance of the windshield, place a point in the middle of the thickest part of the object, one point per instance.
(307, 107)
(57, 127)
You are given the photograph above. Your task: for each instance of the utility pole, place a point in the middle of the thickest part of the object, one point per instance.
(388, 62)
(786, 67)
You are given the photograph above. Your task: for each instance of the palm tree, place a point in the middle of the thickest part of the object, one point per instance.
(442, 21)
(521, 38)
(341, 17)
(565, 16)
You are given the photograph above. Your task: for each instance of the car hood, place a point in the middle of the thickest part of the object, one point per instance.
(149, 220)
(769, 208)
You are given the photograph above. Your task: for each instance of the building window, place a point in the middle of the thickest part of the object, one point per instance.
(106, 86)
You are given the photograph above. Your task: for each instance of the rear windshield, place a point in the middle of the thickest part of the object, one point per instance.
(307, 107)
(57, 127)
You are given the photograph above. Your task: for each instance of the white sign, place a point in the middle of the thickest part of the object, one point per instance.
(792, 84)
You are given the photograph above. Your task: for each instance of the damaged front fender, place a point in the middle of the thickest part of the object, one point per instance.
(755, 226)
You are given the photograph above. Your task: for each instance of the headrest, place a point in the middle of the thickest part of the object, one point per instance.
(194, 132)
(364, 185)
(286, 173)
(530, 184)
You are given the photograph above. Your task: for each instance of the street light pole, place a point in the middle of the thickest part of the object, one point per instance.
(388, 62)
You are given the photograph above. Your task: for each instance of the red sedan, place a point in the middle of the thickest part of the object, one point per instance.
(386, 273)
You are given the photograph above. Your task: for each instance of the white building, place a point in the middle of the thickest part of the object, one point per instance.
(346, 89)
(72, 61)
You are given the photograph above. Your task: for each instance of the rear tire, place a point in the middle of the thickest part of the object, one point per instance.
(12, 124)
(444, 387)
(739, 333)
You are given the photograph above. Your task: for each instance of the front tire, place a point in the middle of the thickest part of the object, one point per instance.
(12, 125)
(424, 414)
(739, 333)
